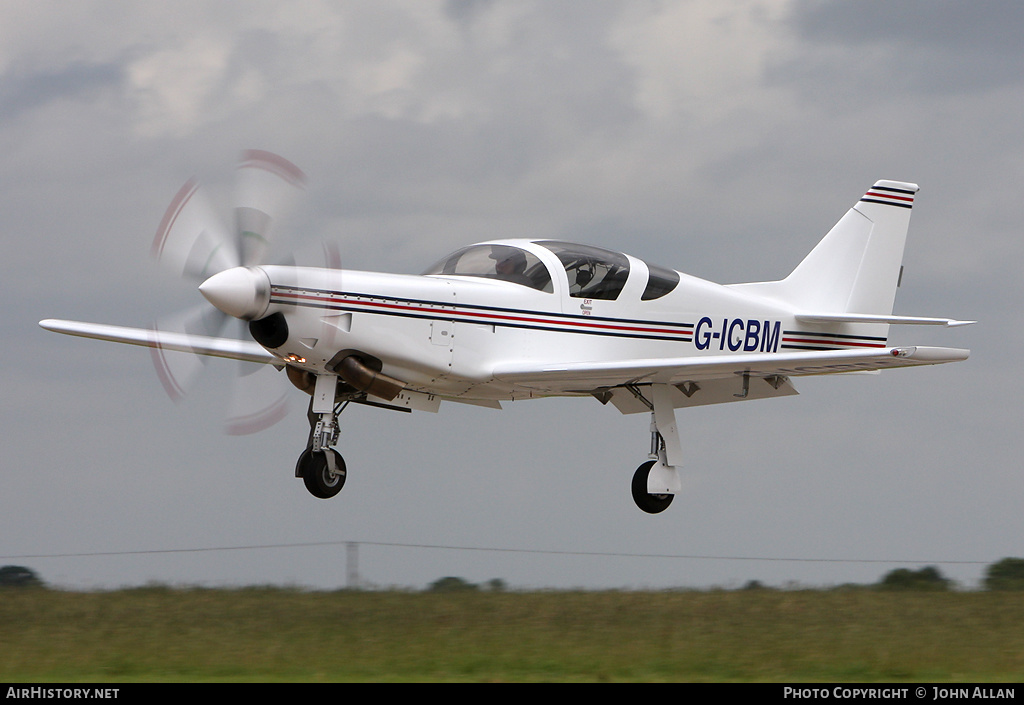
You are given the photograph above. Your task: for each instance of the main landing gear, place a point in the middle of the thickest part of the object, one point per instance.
(321, 467)
(656, 482)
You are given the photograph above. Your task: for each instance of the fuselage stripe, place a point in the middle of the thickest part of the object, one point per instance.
(535, 320)
(806, 340)
(495, 316)
(842, 343)
(803, 340)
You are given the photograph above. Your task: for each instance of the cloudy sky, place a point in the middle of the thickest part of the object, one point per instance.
(720, 139)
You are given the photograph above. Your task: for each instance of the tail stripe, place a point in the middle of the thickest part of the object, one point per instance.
(887, 196)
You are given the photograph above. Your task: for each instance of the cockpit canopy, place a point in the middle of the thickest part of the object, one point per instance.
(592, 272)
(504, 262)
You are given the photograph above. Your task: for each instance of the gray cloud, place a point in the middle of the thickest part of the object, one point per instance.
(931, 47)
(23, 90)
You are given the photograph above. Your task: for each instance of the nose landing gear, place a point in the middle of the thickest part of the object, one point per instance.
(320, 466)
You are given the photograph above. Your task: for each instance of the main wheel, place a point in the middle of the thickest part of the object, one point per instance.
(650, 503)
(316, 473)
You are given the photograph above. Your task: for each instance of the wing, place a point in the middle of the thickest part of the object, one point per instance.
(181, 342)
(710, 380)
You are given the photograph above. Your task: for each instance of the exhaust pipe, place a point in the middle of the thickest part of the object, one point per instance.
(354, 372)
(305, 381)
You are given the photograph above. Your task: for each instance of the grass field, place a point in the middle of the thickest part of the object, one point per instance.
(270, 634)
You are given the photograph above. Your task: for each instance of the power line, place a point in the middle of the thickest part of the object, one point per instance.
(491, 549)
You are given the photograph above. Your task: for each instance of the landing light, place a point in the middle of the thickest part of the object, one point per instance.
(292, 357)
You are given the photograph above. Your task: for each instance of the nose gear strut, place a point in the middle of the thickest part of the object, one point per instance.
(320, 466)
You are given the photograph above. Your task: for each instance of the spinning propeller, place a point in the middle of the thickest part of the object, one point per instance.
(192, 243)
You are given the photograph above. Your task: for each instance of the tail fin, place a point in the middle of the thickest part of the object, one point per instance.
(856, 266)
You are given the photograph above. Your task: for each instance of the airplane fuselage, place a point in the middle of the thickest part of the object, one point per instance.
(445, 334)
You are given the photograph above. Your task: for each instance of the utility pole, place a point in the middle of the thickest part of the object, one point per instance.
(352, 565)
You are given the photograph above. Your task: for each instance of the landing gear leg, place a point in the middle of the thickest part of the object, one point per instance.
(657, 481)
(321, 467)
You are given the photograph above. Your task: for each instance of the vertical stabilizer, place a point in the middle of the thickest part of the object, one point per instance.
(856, 266)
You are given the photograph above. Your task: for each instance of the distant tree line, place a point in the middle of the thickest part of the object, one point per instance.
(19, 576)
(453, 584)
(927, 578)
(1005, 574)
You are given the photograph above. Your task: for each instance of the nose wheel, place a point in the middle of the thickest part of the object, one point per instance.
(322, 471)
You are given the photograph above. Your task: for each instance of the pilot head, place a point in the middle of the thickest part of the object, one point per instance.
(508, 260)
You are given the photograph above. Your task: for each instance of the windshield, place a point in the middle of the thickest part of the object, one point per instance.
(593, 272)
(503, 262)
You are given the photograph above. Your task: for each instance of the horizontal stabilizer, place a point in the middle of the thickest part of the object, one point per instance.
(181, 342)
(880, 318)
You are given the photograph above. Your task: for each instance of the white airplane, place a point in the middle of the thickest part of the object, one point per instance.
(520, 319)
